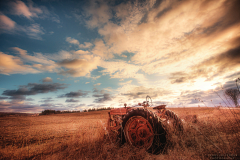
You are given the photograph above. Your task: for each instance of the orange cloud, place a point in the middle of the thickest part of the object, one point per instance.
(72, 40)
(6, 23)
(98, 14)
(101, 50)
(21, 9)
(85, 45)
(79, 67)
(11, 65)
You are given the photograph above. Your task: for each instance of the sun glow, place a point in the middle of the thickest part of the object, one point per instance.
(202, 84)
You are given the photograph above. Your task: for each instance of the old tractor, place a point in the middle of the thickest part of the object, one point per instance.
(143, 126)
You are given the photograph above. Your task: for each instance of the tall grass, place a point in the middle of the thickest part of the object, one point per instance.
(83, 136)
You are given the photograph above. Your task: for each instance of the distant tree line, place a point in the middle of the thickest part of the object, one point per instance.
(49, 111)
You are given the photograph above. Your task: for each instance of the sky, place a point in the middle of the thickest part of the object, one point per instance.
(75, 55)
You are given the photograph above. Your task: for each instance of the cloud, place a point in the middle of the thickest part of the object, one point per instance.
(3, 97)
(6, 23)
(95, 77)
(79, 67)
(223, 62)
(100, 49)
(180, 45)
(31, 10)
(38, 57)
(11, 65)
(87, 82)
(95, 90)
(81, 52)
(19, 8)
(124, 83)
(97, 84)
(215, 66)
(34, 31)
(74, 94)
(47, 79)
(135, 92)
(72, 41)
(102, 97)
(33, 89)
(178, 77)
(46, 100)
(60, 79)
(76, 42)
(19, 106)
(85, 45)
(120, 69)
(43, 63)
(98, 13)
(72, 100)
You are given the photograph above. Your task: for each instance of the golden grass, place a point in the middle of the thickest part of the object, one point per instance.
(83, 136)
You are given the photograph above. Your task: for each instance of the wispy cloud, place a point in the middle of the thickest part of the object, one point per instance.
(74, 94)
(34, 31)
(72, 100)
(97, 84)
(100, 98)
(31, 10)
(19, 8)
(76, 43)
(6, 24)
(33, 89)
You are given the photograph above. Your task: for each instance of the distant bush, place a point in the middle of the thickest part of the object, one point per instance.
(98, 109)
(49, 111)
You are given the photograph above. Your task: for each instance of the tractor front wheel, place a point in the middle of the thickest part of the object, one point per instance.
(143, 129)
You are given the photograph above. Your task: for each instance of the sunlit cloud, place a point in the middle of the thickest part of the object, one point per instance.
(20, 8)
(47, 79)
(72, 40)
(175, 51)
(6, 23)
(11, 65)
(79, 67)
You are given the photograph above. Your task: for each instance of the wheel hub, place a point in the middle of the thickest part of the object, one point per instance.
(139, 132)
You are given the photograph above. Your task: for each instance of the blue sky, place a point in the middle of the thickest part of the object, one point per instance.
(75, 55)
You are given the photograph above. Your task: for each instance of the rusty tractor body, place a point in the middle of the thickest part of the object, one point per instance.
(141, 127)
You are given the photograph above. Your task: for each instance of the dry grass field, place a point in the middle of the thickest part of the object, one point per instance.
(209, 133)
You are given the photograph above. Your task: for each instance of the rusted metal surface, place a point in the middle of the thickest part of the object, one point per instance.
(139, 132)
(119, 111)
(160, 107)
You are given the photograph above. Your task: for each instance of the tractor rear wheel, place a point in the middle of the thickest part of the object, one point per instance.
(174, 120)
(143, 129)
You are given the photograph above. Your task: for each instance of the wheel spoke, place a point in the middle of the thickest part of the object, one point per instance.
(139, 132)
(141, 123)
(132, 130)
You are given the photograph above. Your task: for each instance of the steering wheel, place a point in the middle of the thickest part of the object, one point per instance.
(148, 98)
